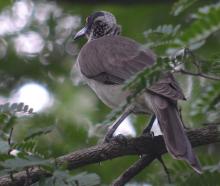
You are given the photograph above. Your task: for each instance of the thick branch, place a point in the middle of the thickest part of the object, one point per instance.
(137, 167)
(134, 146)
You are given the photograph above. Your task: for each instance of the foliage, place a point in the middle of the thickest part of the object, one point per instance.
(61, 177)
(181, 5)
(209, 95)
(24, 155)
(206, 23)
(172, 38)
(211, 65)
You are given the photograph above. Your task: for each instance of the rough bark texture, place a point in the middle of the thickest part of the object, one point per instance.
(143, 145)
(134, 170)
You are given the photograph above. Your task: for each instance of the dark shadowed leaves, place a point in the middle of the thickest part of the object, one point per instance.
(61, 177)
(38, 132)
(211, 65)
(207, 22)
(209, 100)
(18, 163)
(163, 35)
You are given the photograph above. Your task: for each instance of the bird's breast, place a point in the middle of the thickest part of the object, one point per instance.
(112, 95)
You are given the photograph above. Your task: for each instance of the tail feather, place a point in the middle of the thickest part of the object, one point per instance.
(176, 140)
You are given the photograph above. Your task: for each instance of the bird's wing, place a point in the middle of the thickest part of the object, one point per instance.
(114, 59)
(168, 87)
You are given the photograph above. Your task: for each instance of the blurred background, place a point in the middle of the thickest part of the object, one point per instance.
(37, 53)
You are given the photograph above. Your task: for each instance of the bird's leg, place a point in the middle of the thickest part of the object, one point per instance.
(159, 157)
(116, 124)
(147, 130)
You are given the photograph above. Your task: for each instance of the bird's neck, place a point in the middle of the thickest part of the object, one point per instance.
(108, 31)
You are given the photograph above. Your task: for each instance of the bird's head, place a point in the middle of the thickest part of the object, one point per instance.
(99, 24)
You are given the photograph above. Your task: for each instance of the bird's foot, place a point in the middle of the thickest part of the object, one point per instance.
(119, 139)
(148, 134)
(108, 137)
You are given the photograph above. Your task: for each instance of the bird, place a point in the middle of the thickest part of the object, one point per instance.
(108, 60)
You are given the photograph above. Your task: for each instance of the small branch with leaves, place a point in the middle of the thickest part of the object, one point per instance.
(185, 56)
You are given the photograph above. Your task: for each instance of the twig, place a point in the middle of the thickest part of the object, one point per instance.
(199, 74)
(9, 151)
(141, 145)
(197, 65)
(10, 136)
(134, 170)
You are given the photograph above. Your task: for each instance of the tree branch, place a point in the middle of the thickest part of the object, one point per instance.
(200, 74)
(132, 171)
(134, 146)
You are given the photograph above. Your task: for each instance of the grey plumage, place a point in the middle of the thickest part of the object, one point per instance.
(103, 54)
(176, 140)
(107, 62)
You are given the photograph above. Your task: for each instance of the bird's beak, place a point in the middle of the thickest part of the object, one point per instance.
(81, 33)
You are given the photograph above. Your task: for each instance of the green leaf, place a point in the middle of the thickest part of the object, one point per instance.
(181, 5)
(38, 132)
(162, 35)
(206, 24)
(205, 179)
(211, 65)
(15, 107)
(208, 101)
(4, 147)
(18, 163)
(61, 177)
(162, 30)
(25, 146)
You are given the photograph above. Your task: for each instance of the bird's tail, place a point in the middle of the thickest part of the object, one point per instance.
(176, 140)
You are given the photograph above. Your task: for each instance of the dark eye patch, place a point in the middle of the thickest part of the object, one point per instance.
(96, 14)
(92, 17)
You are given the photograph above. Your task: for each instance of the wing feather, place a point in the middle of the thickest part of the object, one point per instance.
(115, 56)
(168, 87)
(114, 59)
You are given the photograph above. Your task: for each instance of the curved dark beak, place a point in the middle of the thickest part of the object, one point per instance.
(81, 33)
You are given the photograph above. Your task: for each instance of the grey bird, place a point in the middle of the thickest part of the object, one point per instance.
(107, 60)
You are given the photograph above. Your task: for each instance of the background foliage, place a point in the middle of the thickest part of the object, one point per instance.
(36, 48)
